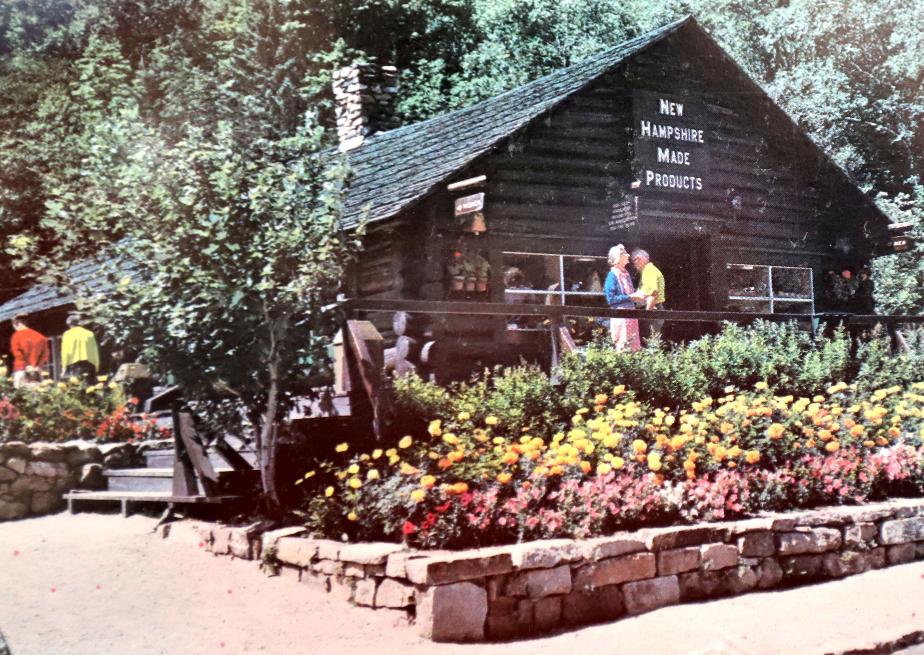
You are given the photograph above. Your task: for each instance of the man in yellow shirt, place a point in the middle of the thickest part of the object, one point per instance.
(79, 352)
(651, 285)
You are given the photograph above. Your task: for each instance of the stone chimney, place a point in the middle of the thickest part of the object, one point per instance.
(364, 97)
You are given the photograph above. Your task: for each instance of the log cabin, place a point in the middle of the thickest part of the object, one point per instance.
(662, 142)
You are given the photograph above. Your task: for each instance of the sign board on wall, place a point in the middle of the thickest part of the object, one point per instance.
(469, 204)
(671, 142)
(624, 214)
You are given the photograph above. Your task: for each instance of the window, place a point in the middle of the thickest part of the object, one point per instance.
(553, 279)
(770, 289)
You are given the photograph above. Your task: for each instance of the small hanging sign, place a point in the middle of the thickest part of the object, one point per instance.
(469, 204)
(624, 214)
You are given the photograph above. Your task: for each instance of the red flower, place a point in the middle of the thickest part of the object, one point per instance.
(442, 508)
(408, 528)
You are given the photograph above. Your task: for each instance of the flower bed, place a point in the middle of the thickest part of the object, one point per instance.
(70, 409)
(622, 464)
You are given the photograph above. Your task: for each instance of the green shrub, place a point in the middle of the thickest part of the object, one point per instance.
(522, 397)
(878, 366)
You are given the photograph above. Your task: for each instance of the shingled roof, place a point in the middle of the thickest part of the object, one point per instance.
(87, 274)
(393, 169)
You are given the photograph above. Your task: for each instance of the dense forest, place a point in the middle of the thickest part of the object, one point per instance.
(73, 72)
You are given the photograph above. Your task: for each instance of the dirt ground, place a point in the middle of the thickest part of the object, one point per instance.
(98, 584)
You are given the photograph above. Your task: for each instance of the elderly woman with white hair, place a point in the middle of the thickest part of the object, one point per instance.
(620, 294)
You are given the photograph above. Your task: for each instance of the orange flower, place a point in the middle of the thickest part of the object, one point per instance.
(752, 457)
(810, 443)
(869, 443)
(832, 446)
(510, 458)
(857, 431)
(444, 464)
(776, 431)
(504, 478)
(456, 456)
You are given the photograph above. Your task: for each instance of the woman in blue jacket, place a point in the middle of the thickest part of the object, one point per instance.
(620, 294)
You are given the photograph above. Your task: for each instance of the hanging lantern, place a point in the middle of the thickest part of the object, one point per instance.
(475, 223)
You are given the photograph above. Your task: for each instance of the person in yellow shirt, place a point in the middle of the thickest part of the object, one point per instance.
(652, 286)
(79, 352)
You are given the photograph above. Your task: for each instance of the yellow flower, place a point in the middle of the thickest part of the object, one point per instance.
(752, 457)
(376, 453)
(654, 462)
(639, 446)
(869, 443)
(490, 420)
(355, 483)
(585, 466)
(464, 416)
(619, 389)
(450, 438)
(832, 446)
(407, 469)
(618, 462)
(310, 474)
(418, 495)
(373, 474)
(427, 481)
(393, 459)
(342, 447)
(435, 429)
(352, 516)
(73, 380)
(504, 478)
(761, 386)
(405, 442)
(329, 492)
(603, 469)
(353, 470)
(456, 456)
(510, 458)
(102, 378)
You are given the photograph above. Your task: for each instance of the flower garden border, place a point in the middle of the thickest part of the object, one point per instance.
(515, 591)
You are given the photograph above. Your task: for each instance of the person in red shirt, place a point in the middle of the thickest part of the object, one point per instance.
(30, 350)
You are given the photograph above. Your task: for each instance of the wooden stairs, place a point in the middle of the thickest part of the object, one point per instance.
(185, 475)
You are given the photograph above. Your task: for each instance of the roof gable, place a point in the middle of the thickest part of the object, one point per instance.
(395, 168)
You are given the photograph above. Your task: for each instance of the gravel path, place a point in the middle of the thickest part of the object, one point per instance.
(99, 584)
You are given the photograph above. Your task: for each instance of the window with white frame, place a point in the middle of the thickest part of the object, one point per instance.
(541, 278)
(771, 289)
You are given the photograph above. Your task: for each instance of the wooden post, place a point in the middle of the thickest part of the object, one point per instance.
(367, 353)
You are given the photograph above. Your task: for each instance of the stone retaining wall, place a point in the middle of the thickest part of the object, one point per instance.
(33, 477)
(513, 591)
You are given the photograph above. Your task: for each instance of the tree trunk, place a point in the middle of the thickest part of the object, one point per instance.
(268, 435)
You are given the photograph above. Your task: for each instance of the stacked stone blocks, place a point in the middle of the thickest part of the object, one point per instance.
(34, 477)
(513, 591)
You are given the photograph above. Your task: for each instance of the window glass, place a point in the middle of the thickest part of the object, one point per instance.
(543, 278)
(770, 289)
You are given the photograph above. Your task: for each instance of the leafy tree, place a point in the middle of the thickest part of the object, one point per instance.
(223, 236)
